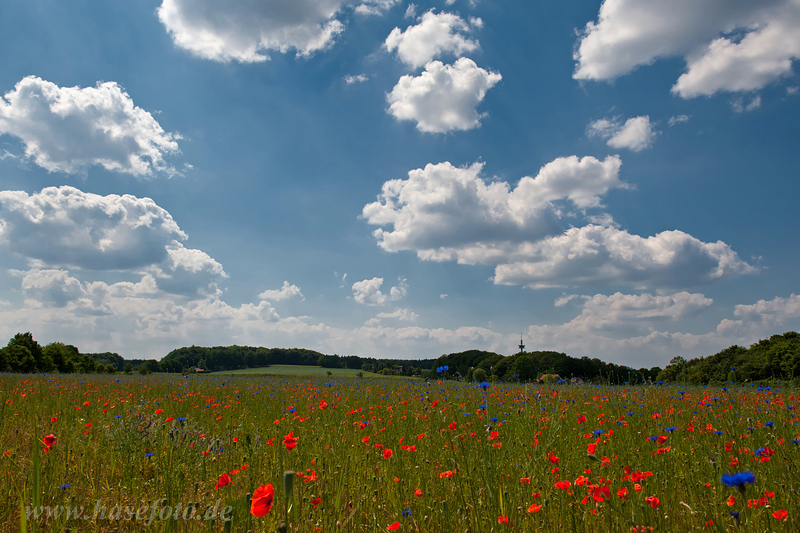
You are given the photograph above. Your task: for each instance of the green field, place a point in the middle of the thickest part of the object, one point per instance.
(228, 453)
(294, 370)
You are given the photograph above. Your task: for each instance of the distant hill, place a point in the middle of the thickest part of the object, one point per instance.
(530, 366)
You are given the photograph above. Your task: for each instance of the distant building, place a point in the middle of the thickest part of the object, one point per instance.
(521, 345)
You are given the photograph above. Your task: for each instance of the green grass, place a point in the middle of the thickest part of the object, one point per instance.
(419, 456)
(294, 370)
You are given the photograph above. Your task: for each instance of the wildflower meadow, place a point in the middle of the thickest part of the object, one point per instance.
(276, 453)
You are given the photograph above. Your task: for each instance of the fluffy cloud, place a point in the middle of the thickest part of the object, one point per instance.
(443, 212)
(375, 7)
(604, 256)
(65, 227)
(368, 292)
(188, 272)
(241, 30)
(446, 213)
(284, 293)
(434, 36)
(402, 314)
(635, 134)
(631, 33)
(51, 287)
(360, 78)
(68, 129)
(443, 98)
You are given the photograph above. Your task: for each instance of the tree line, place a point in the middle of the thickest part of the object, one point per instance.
(478, 365)
(775, 358)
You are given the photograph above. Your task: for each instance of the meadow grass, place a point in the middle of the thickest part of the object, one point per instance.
(376, 454)
(294, 370)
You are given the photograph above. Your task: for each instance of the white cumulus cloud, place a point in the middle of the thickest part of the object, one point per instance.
(603, 256)
(402, 314)
(434, 36)
(445, 213)
(284, 293)
(358, 78)
(64, 227)
(707, 33)
(368, 292)
(443, 98)
(245, 31)
(69, 129)
(634, 134)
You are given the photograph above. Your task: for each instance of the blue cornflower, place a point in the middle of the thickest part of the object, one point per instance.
(181, 419)
(406, 512)
(149, 454)
(760, 451)
(718, 432)
(768, 424)
(671, 428)
(597, 432)
(795, 442)
(738, 480)
(484, 385)
(65, 486)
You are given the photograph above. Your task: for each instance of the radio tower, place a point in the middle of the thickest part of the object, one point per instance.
(521, 346)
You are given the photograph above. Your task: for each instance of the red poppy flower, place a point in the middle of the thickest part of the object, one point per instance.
(365, 439)
(653, 501)
(781, 514)
(290, 441)
(563, 485)
(316, 501)
(224, 479)
(49, 441)
(525, 480)
(418, 493)
(453, 426)
(159, 411)
(534, 508)
(262, 500)
(731, 501)
(387, 453)
(504, 520)
(323, 404)
(623, 493)
(600, 494)
(394, 527)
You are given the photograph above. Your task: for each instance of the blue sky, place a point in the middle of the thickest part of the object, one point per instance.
(395, 179)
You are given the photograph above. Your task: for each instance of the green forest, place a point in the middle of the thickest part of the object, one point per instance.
(776, 358)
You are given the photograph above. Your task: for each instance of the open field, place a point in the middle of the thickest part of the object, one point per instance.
(375, 454)
(294, 370)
